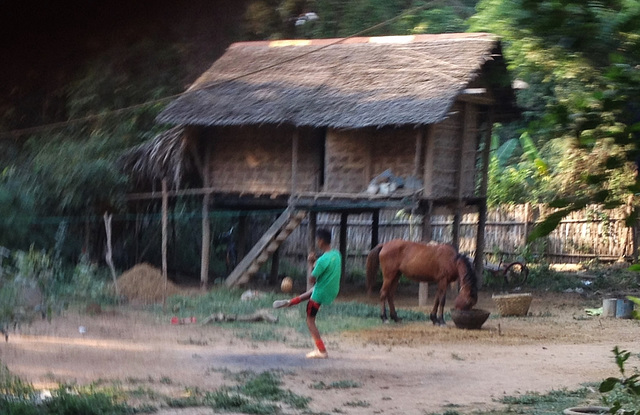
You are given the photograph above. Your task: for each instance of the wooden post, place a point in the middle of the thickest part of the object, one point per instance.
(482, 204)
(429, 162)
(311, 241)
(455, 232)
(375, 229)
(165, 225)
(417, 162)
(527, 220)
(294, 162)
(343, 241)
(242, 236)
(206, 224)
(275, 266)
(423, 290)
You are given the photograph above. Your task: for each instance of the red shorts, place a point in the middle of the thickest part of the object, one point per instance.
(312, 308)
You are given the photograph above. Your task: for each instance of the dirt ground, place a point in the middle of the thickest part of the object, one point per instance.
(408, 368)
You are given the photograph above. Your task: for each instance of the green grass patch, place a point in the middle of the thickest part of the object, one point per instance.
(550, 403)
(334, 318)
(533, 403)
(255, 394)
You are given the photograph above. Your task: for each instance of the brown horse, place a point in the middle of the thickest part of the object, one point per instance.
(437, 263)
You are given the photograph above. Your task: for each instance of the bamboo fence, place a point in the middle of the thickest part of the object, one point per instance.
(590, 234)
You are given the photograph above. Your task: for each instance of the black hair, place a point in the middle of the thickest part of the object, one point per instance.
(324, 235)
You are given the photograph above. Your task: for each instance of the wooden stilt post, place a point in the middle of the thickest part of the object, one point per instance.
(482, 204)
(423, 290)
(294, 163)
(275, 266)
(242, 236)
(165, 225)
(375, 229)
(343, 241)
(455, 231)
(311, 241)
(206, 223)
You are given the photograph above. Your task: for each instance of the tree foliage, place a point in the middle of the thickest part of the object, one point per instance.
(582, 106)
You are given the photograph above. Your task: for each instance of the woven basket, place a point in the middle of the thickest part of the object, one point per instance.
(513, 304)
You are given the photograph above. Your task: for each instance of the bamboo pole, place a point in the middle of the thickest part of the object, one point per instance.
(109, 254)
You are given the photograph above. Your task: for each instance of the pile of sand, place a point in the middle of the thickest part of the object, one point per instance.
(144, 284)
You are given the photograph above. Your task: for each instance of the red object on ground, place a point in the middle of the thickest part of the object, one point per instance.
(174, 320)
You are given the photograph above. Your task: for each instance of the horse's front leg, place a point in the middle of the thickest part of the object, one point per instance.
(434, 312)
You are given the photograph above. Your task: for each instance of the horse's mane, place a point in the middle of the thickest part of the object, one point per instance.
(470, 279)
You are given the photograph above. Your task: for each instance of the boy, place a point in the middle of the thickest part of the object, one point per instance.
(325, 279)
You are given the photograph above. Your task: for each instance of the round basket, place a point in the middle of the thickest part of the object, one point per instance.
(469, 319)
(513, 304)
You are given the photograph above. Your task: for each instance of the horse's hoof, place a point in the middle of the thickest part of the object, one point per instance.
(434, 319)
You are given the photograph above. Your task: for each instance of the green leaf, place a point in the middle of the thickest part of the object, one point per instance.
(547, 226)
(614, 162)
(559, 203)
(595, 178)
(505, 151)
(608, 384)
(601, 196)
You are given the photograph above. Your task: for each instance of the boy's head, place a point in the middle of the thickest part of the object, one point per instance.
(323, 237)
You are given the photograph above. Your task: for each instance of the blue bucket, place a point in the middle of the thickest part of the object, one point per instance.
(624, 308)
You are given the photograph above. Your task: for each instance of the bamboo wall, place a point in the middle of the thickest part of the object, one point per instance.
(258, 159)
(585, 235)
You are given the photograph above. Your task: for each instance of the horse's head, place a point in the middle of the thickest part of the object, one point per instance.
(468, 295)
(465, 299)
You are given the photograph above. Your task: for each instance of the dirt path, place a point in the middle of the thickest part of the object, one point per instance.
(402, 369)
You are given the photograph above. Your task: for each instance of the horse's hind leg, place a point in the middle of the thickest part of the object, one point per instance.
(391, 297)
(386, 294)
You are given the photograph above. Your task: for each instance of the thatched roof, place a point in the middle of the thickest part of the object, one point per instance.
(163, 157)
(359, 82)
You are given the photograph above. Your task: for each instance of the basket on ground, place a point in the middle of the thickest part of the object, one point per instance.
(513, 304)
(469, 319)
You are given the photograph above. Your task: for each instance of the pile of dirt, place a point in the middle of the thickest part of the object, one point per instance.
(144, 284)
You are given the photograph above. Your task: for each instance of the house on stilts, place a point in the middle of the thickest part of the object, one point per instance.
(305, 126)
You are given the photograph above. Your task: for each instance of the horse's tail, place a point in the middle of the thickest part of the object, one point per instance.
(373, 264)
(467, 277)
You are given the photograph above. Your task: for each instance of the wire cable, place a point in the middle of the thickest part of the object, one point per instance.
(61, 124)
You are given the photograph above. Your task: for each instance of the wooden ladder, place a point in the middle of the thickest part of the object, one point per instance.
(286, 223)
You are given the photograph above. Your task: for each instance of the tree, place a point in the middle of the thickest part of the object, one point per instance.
(581, 62)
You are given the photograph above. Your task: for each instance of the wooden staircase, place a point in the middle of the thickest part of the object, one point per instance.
(286, 223)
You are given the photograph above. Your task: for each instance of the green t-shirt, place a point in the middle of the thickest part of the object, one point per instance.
(327, 274)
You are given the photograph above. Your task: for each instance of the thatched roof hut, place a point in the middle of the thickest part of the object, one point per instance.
(311, 124)
(341, 83)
